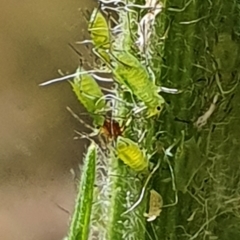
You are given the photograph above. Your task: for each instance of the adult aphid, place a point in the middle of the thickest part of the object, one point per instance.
(129, 152)
(130, 72)
(90, 95)
(99, 31)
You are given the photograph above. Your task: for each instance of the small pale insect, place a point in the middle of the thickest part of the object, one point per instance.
(130, 72)
(90, 95)
(129, 152)
(155, 206)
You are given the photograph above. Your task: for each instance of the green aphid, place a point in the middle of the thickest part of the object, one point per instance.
(130, 72)
(90, 95)
(129, 152)
(100, 34)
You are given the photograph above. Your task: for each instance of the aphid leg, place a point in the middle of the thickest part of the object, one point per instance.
(138, 110)
(94, 132)
(89, 137)
(99, 55)
(143, 188)
(110, 17)
(111, 96)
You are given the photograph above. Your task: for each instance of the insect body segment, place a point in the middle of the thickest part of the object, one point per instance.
(130, 72)
(130, 153)
(90, 95)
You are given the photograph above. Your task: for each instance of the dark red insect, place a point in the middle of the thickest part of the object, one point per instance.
(111, 129)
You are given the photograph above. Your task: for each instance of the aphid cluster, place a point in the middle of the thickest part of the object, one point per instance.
(128, 73)
(130, 77)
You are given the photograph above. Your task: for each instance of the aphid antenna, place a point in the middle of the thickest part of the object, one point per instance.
(86, 14)
(77, 52)
(81, 60)
(88, 137)
(80, 120)
(115, 58)
(143, 188)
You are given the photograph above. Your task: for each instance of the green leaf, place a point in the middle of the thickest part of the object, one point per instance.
(79, 228)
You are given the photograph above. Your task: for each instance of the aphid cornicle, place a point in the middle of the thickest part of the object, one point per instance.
(130, 72)
(90, 95)
(130, 153)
